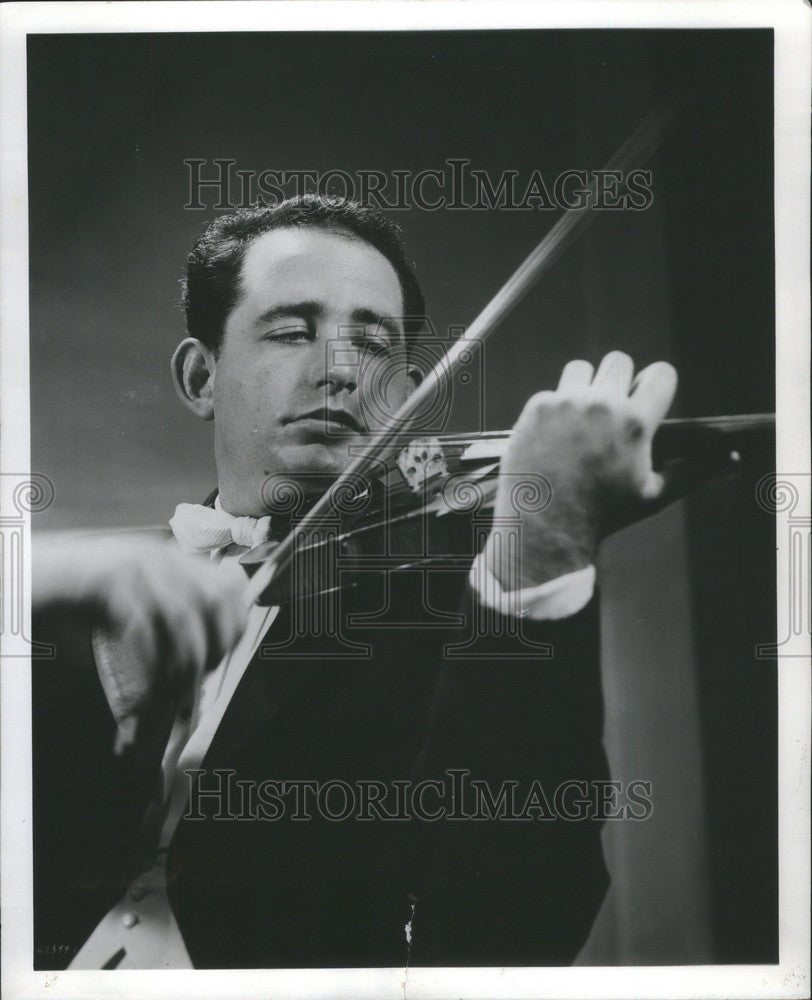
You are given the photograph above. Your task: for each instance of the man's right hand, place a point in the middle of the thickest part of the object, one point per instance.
(164, 617)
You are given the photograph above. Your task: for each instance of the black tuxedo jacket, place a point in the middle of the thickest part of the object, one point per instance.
(271, 892)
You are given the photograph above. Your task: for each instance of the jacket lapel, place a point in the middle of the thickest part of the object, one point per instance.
(267, 684)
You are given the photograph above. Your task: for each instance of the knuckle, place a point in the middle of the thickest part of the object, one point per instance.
(598, 410)
(633, 428)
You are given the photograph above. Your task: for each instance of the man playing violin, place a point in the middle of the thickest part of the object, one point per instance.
(163, 661)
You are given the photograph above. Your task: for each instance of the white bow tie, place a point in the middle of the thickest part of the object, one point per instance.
(207, 529)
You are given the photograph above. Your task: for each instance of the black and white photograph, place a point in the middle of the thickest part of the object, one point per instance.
(405, 499)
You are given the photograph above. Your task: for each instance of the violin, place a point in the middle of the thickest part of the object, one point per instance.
(432, 506)
(407, 502)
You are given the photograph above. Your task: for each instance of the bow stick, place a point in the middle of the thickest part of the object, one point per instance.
(640, 144)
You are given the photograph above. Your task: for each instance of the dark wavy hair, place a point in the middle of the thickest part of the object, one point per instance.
(210, 285)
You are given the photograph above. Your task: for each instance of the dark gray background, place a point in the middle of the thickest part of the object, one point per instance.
(687, 595)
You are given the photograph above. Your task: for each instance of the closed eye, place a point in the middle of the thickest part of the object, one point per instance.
(376, 348)
(290, 334)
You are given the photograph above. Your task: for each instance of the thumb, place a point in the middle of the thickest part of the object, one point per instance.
(680, 476)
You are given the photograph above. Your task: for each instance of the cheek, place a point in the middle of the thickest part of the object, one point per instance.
(247, 401)
(383, 389)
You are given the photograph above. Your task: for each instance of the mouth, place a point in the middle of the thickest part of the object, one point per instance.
(329, 421)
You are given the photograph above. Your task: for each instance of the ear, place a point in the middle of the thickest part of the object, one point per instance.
(193, 366)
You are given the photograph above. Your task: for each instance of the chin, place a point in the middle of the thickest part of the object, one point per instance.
(313, 466)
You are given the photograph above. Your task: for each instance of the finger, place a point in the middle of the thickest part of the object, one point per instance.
(654, 393)
(174, 603)
(576, 376)
(126, 735)
(613, 378)
(167, 603)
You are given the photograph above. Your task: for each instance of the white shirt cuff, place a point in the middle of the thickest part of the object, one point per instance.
(559, 598)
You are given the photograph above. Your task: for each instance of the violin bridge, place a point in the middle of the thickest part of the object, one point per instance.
(421, 461)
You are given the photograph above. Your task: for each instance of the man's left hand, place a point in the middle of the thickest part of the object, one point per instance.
(591, 440)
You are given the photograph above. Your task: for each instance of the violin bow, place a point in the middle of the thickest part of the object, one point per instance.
(642, 142)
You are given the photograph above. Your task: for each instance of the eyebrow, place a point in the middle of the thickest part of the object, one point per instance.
(307, 310)
(371, 318)
(312, 309)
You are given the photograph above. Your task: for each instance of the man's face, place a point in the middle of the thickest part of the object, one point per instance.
(317, 316)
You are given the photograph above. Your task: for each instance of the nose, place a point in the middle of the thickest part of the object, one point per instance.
(340, 370)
